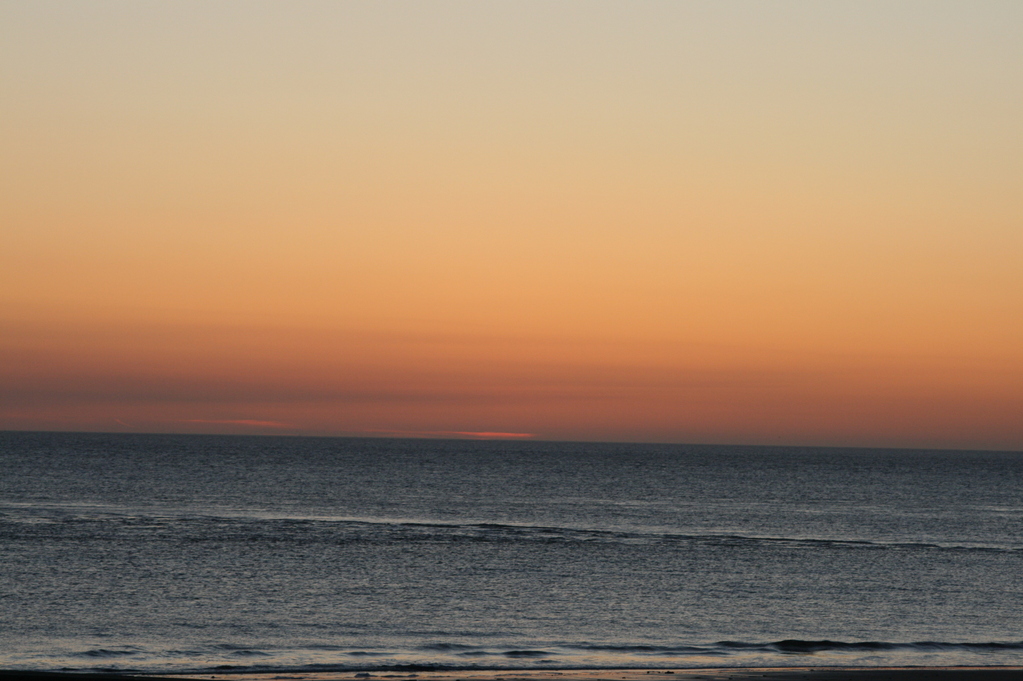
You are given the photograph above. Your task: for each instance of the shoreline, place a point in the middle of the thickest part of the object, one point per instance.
(817, 673)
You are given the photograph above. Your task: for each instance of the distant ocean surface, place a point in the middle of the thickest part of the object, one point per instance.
(208, 553)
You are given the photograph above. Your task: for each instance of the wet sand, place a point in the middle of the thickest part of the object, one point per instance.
(728, 674)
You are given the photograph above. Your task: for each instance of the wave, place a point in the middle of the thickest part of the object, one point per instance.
(445, 656)
(808, 647)
(732, 647)
(496, 533)
(200, 528)
(562, 649)
(104, 653)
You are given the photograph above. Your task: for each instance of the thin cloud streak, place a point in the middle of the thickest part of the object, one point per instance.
(471, 434)
(239, 422)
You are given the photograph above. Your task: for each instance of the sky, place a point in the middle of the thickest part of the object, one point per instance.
(791, 223)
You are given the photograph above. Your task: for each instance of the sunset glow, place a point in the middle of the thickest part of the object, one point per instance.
(770, 223)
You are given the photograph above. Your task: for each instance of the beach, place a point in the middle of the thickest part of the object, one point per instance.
(728, 674)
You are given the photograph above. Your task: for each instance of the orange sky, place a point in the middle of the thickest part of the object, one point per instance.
(790, 222)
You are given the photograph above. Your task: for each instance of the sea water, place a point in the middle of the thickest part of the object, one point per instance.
(213, 553)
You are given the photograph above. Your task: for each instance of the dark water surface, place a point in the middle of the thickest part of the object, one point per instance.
(161, 553)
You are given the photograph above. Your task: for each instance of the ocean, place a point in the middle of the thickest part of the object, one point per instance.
(195, 553)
